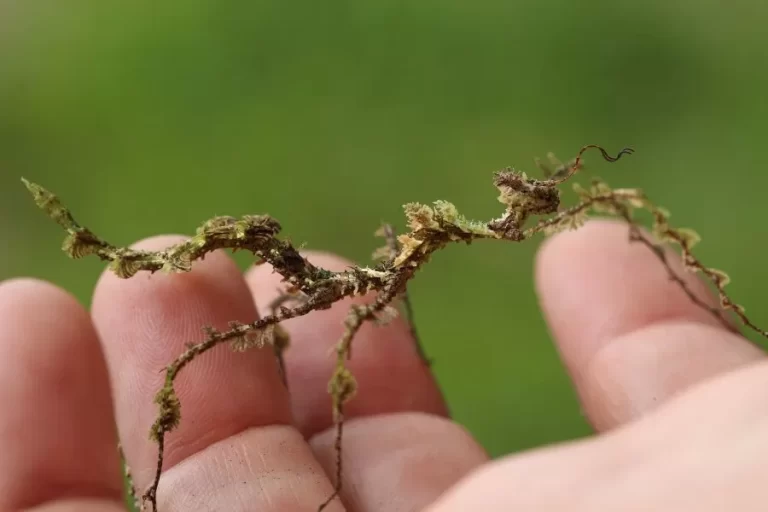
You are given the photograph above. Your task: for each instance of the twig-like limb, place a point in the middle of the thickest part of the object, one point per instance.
(420, 351)
(621, 202)
(242, 336)
(636, 235)
(343, 386)
(686, 239)
(150, 496)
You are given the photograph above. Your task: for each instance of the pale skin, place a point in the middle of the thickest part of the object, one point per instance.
(677, 401)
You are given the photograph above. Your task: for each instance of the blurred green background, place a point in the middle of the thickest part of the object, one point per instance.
(151, 117)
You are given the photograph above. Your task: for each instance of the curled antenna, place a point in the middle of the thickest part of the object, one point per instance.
(609, 158)
(566, 172)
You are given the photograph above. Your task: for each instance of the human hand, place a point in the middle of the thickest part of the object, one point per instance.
(678, 401)
(629, 337)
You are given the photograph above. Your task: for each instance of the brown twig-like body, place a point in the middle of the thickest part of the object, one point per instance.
(312, 288)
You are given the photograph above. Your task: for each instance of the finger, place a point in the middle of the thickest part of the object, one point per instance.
(145, 323)
(399, 462)
(390, 374)
(700, 451)
(630, 337)
(268, 469)
(551, 479)
(83, 505)
(57, 434)
(635, 373)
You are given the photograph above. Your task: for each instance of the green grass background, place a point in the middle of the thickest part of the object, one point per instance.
(150, 117)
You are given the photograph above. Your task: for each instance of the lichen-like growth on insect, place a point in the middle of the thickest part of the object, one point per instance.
(432, 227)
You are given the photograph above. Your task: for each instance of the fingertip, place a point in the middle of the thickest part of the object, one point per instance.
(18, 291)
(595, 284)
(57, 433)
(629, 335)
(563, 252)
